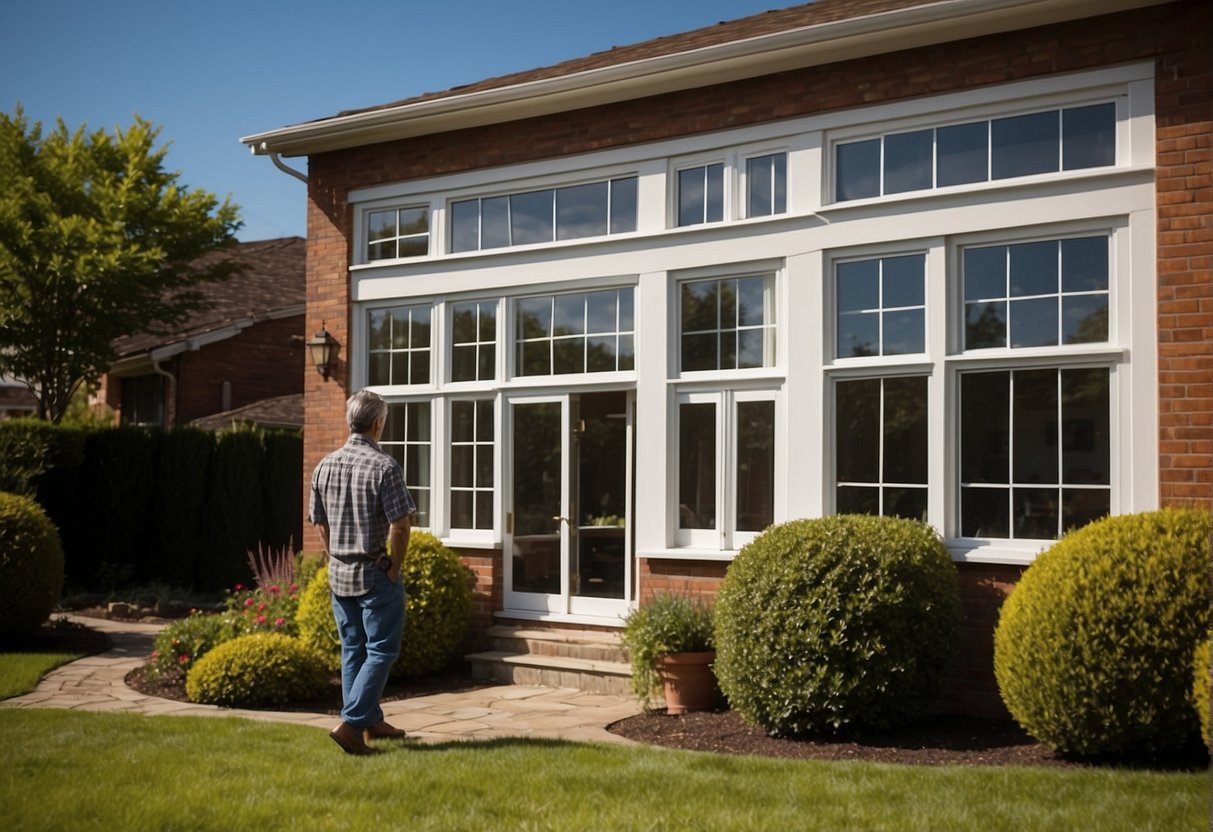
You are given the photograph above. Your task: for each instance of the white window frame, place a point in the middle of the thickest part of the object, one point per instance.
(468, 536)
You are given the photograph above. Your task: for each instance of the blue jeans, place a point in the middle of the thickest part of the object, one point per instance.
(370, 627)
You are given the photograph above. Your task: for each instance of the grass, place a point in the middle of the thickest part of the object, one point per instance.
(65, 770)
(20, 672)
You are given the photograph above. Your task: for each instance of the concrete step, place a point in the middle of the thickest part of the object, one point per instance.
(590, 660)
(592, 645)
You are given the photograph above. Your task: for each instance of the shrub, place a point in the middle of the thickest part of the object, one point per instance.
(270, 608)
(1093, 649)
(438, 607)
(183, 642)
(844, 621)
(258, 669)
(31, 565)
(668, 623)
(30, 448)
(1202, 677)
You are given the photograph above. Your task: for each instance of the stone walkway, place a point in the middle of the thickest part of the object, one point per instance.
(95, 683)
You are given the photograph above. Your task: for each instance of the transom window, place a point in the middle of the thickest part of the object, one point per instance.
(474, 340)
(398, 232)
(767, 185)
(701, 194)
(582, 332)
(399, 340)
(881, 306)
(881, 447)
(543, 216)
(1036, 294)
(471, 492)
(727, 323)
(980, 151)
(408, 438)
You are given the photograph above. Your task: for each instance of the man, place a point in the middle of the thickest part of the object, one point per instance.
(361, 510)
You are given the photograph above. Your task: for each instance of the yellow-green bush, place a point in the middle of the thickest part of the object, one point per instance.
(255, 670)
(1093, 649)
(31, 565)
(837, 622)
(438, 606)
(1202, 677)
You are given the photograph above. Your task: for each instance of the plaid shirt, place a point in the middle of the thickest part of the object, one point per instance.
(358, 491)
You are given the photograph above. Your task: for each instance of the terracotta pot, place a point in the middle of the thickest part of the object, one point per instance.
(690, 684)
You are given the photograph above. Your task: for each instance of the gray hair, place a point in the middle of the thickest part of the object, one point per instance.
(362, 409)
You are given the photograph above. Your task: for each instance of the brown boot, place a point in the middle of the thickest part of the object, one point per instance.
(350, 740)
(384, 731)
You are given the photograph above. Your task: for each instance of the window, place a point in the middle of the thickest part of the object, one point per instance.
(542, 216)
(881, 306)
(1034, 451)
(1036, 294)
(143, 400)
(725, 467)
(399, 341)
(1071, 138)
(471, 474)
(727, 323)
(474, 340)
(766, 185)
(583, 332)
(701, 194)
(407, 436)
(880, 463)
(398, 232)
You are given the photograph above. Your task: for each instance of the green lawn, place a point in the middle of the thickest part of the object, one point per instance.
(64, 770)
(20, 672)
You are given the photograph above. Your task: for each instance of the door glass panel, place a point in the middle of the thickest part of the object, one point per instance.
(537, 487)
(600, 457)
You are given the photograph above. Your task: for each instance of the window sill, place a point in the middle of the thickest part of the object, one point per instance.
(687, 553)
(1009, 552)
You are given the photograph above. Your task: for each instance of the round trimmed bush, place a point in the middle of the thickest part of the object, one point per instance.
(1202, 677)
(437, 608)
(836, 622)
(255, 670)
(31, 565)
(1093, 649)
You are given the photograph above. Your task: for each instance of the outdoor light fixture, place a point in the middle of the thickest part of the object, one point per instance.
(324, 349)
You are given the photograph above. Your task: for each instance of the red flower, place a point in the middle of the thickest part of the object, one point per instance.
(239, 587)
(248, 602)
(183, 658)
(278, 622)
(261, 619)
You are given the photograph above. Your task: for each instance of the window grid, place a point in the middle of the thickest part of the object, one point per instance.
(472, 469)
(474, 341)
(881, 306)
(766, 185)
(701, 194)
(727, 323)
(398, 232)
(407, 437)
(582, 332)
(399, 345)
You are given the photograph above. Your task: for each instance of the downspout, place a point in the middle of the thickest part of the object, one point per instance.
(282, 166)
(171, 396)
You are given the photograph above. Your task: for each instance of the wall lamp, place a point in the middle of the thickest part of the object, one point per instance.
(323, 347)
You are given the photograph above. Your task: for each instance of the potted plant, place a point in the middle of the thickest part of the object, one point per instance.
(670, 644)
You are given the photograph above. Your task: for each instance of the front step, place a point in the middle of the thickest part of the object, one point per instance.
(590, 660)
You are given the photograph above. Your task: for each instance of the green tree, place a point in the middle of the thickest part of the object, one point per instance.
(97, 240)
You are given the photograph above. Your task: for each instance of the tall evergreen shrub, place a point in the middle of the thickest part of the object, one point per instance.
(234, 507)
(30, 448)
(182, 474)
(282, 489)
(119, 478)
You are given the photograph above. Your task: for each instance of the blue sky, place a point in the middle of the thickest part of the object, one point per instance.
(210, 72)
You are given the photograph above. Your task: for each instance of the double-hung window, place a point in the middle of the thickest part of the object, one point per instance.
(408, 437)
(399, 345)
(727, 323)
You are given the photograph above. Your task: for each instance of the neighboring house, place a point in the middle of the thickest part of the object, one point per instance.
(222, 364)
(948, 260)
(16, 399)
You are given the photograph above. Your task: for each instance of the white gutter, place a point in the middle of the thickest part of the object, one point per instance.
(938, 22)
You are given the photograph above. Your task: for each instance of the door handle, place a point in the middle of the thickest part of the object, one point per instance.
(559, 518)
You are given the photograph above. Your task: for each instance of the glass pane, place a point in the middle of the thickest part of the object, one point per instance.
(902, 280)
(413, 247)
(379, 368)
(699, 310)
(1085, 427)
(910, 503)
(962, 153)
(600, 311)
(381, 225)
(985, 325)
(904, 332)
(531, 217)
(985, 428)
(486, 362)
(760, 179)
(1034, 322)
(463, 462)
(495, 222)
(858, 285)
(484, 510)
(393, 429)
(626, 353)
(691, 196)
(755, 465)
(381, 251)
(568, 316)
(751, 297)
(484, 466)
(465, 225)
(535, 317)
(414, 221)
(1084, 264)
(750, 343)
(781, 182)
(623, 205)
(853, 499)
(985, 272)
(1088, 136)
(1033, 269)
(1084, 319)
(858, 334)
(697, 466)
(484, 420)
(568, 356)
(907, 161)
(984, 512)
(1023, 145)
(1082, 506)
(857, 431)
(420, 329)
(905, 430)
(581, 211)
(488, 321)
(535, 358)
(535, 558)
(600, 354)
(714, 193)
(625, 310)
(463, 421)
(379, 330)
(858, 173)
(419, 367)
(1035, 422)
(461, 509)
(1036, 512)
(400, 367)
(463, 363)
(728, 350)
(463, 323)
(418, 425)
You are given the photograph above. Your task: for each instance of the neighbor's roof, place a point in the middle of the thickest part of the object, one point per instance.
(774, 41)
(283, 412)
(272, 286)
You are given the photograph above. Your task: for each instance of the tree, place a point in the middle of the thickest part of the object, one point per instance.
(97, 240)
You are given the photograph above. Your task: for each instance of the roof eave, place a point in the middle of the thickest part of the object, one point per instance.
(858, 37)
